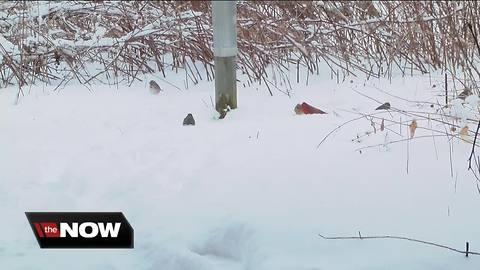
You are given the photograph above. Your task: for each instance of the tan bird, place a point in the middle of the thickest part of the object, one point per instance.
(154, 88)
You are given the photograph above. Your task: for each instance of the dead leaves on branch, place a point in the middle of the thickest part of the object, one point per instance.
(413, 127)
(129, 38)
(464, 135)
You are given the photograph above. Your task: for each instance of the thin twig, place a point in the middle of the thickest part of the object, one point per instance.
(398, 238)
(478, 125)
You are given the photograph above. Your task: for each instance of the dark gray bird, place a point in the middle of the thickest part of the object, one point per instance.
(189, 121)
(384, 106)
(465, 93)
(154, 87)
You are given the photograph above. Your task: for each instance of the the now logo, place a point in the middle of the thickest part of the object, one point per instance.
(86, 229)
(81, 229)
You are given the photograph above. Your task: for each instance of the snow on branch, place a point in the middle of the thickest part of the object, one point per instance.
(47, 40)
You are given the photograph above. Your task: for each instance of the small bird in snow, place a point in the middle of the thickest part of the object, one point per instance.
(384, 106)
(465, 93)
(189, 121)
(154, 88)
(306, 108)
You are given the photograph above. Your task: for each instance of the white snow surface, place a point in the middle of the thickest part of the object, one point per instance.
(251, 191)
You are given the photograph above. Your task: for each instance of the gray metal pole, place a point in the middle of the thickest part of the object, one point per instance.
(225, 51)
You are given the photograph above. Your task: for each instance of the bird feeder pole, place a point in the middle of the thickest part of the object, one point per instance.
(225, 51)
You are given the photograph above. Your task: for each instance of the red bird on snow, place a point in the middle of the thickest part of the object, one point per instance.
(306, 108)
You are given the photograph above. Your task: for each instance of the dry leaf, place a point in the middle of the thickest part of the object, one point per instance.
(464, 134)
(413, 127)
(382, 125)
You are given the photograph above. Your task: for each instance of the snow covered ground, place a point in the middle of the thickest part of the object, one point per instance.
(248, 192)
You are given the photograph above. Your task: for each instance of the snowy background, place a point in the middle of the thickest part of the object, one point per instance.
(251, 191)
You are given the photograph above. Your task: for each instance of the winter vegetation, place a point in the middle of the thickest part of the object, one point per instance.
(49, 41)
(354, 145)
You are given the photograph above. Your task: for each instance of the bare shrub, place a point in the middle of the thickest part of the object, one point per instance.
(51, 41)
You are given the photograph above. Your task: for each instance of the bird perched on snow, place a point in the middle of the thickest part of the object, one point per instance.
(154, 87)
(465, 93)
(384, 106)
(189, 121)
(306, 108)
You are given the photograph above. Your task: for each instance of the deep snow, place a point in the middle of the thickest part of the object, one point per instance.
(248, 192)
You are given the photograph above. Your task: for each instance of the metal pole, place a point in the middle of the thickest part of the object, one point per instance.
(225, 51)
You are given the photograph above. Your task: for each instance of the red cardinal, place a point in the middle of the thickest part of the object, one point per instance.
(306, 108)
